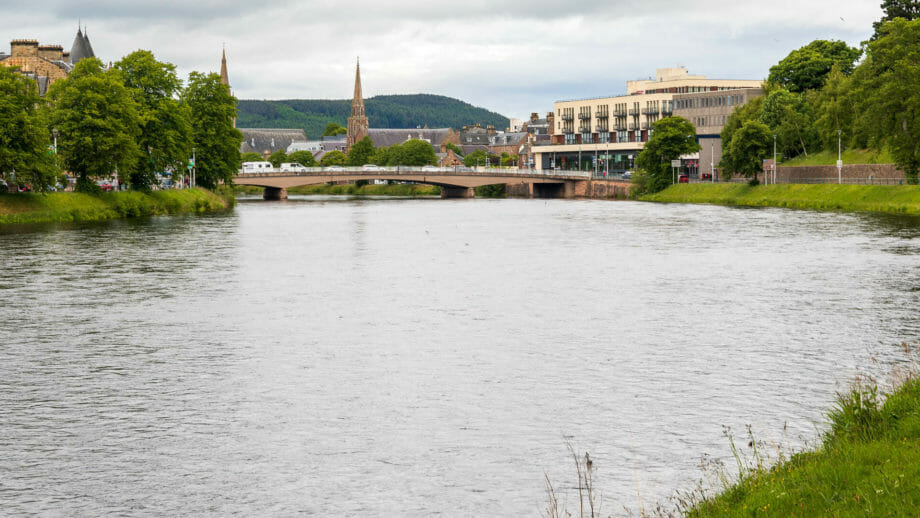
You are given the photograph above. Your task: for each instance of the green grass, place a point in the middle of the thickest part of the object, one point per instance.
(897, 199)
(353, 190)
(850, 156)
(867, 465)
(61, 206)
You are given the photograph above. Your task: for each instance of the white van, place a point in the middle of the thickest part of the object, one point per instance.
(257, 167)
(293, 167)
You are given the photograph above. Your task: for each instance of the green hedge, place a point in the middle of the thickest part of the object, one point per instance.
(61, 206)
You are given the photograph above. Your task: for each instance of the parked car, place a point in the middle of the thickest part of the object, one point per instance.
(293, 167)
(430, 168)
(683, 179)
(706, 176)
(371, 167)
(627, 175)
(257, 167)
(333, 168)
(105, 185)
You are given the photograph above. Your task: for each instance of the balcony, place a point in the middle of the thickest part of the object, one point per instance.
(650, 111)
(602, 127)
(568, 117)
(646, 125)
(620, 125)
(666, 111)
(568, 130)
(601, 115)
(619, 112)
(584, 115)
(584, 128)
(633, 126)
(634, 112)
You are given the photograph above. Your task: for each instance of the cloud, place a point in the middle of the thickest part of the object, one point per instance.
(513, 57)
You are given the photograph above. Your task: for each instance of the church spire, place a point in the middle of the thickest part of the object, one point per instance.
(357, 123)
(224, 77)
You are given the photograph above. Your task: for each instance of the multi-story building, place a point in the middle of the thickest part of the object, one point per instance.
(708, 112)
(607, 133)
(46, 63)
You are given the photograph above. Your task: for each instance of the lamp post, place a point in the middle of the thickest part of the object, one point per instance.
(839, 160)
(194, 165)
(774, 158)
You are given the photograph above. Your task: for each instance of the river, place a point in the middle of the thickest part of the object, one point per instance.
(419, 357)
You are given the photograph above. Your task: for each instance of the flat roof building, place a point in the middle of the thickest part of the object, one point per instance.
(606, 133)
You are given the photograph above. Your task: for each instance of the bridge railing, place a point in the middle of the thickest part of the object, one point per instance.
(398, 170)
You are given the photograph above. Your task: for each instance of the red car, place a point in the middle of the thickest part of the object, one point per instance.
(707, 176)
(683, 179)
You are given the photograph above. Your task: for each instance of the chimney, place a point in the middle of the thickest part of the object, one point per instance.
(23, 48)
(51, 52)
(534, 116)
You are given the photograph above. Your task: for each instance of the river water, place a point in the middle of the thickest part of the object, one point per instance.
(397, 357)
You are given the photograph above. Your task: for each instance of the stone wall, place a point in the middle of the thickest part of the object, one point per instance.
(818, 172)
(602, 189)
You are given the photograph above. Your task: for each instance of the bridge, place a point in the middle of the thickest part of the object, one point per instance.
(455, 182)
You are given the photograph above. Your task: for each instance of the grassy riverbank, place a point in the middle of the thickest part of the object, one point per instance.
(352, 190)
(850, 156)
(68, 206)
(867, 465)
(898, 199)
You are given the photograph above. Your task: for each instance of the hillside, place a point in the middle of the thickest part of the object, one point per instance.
(383, 111)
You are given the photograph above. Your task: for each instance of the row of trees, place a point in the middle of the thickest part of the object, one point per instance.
(819, 94)
(410, 153)
(134, 119)
(816, 95)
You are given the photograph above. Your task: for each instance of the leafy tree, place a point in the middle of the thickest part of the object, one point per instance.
(362, 152)
(671, 137)
(886, 85)
(217, 142)
(807, 68)
(455, 148)
(98, 122)
(907, 9)
(303, 157)
(333, 129)
(334, 157)
(388, 155)
(478, 158)
(417, 152)
(834, 109)
(165, 140)
(251, 156)
(277, 158)
(790, 116)
(749, 111)
(744, 154)
(24, 143)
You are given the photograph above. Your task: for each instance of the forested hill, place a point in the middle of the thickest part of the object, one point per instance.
(383, 111)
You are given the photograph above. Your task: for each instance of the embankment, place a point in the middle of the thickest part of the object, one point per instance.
(896, 199)
(352, 190)
(67, 206)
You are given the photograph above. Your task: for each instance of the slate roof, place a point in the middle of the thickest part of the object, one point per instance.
(81, 48)
(507, 139)
(260, 140)
(387, 137)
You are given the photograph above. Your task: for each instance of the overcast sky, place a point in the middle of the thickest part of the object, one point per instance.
(513, 57)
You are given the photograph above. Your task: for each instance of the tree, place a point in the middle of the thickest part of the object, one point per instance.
(277, 158)
(98, 123)
(455, 148)
(165, 140)
(24, 143)
(671, 137)
(333, 129)
(251, 156)
(790, 116)
(216, 141)
(745, 153)
(303, 157)
(362, 152)
(834, 109)
(807, 68)
(907, 9)
(478, 158)
(334, 157)
(886, 86)
(417, 152)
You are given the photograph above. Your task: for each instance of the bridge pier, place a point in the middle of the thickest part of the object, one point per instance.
(457, 192)
(275, 193)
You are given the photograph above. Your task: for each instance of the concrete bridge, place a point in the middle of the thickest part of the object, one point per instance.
(455, 182)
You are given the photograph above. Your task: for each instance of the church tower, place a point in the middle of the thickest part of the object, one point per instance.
(357, 123)
(224, 76)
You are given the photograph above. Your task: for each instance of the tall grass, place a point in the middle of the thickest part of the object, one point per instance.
(60, 206)
(897, 199)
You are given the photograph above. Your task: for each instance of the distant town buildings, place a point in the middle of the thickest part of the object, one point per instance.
(46, 63)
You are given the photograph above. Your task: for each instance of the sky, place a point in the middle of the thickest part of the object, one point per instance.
(513, 57)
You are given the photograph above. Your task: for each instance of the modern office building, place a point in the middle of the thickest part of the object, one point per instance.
(606, 133)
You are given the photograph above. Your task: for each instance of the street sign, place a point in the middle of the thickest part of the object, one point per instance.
(675, 163)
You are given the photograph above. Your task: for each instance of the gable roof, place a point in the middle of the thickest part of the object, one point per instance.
(385, 137)
(260, 140)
